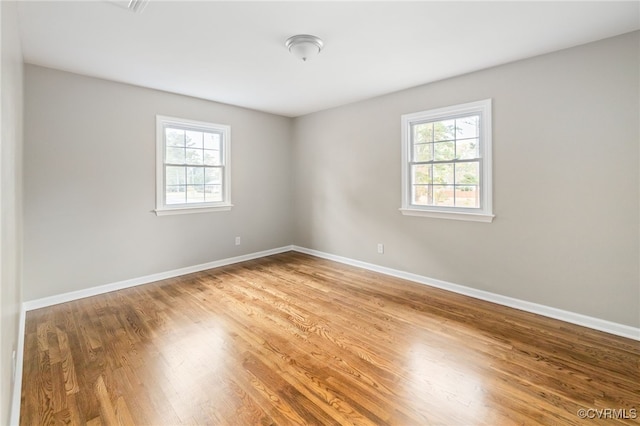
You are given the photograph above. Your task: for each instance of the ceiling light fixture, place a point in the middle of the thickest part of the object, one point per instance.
(304, 46)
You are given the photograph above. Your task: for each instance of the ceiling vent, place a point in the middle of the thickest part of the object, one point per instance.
(137, 6)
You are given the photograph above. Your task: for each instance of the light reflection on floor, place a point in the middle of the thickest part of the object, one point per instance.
(439, 384)
(194, 363)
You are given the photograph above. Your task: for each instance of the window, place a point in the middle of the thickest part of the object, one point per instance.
(192, 173)
(446, 162)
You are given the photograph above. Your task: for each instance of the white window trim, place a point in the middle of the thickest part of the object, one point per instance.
(485, 212)
(162, 209)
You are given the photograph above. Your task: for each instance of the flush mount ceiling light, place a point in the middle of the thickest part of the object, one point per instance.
(304, 46)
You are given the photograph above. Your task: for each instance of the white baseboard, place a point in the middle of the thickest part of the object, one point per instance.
(547, 311)
(94, 291)
(570, 317)
(17, 383)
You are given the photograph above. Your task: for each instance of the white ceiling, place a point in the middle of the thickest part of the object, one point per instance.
(233, 52)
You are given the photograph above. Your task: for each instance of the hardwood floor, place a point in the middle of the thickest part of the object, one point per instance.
(292, 339)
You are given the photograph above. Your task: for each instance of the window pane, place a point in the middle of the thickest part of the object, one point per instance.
(423, 152)
(194, 139)
(175, 175)
(467, 127)
(213, 193)
(446, 164)
(444, 130)
(212, 158)
(421, 195)
(422, 133)
(195, 175)
(175, 155)
(174, 137)
(467, 196)
(421, 174)
(212, 141)
(443, 173)
(195, 193)
(192, 163)
(467, 149)
(175, 194)
(443, 195)
(194, 156)
(468, 173)
(444, 151)
(213, 176)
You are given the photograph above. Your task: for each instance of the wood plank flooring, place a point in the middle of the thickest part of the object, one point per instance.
(292, 339)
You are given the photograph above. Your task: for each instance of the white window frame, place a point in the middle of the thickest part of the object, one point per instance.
(162, 208)
(485, 212)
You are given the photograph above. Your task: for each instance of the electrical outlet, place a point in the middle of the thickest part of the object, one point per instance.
(380, 248)
(237, 241)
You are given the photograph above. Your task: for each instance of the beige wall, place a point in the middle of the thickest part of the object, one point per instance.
(90, 184)
(566, 183)
(10, 198)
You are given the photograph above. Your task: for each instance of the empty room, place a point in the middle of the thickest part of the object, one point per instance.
(322, 213)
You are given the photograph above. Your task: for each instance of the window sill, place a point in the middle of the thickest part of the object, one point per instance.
(189, 210)
(471, 217)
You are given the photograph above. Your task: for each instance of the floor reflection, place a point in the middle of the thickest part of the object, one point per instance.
(440, 386)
